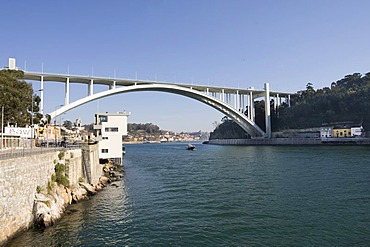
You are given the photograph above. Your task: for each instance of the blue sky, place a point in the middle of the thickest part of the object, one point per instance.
(231, 43)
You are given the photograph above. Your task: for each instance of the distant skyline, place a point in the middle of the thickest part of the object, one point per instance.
(224, 43)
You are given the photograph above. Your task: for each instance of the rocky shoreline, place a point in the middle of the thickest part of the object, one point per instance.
(50, 204)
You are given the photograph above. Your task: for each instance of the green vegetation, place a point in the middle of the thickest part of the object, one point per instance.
(38, 189)
(16, 97)
(228, 130)
(346, 100)
(68, 124)
(50, 185)
(60, 177)
(147, 128)
(61, 155)
(47, 203)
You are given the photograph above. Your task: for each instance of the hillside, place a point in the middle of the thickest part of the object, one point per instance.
(346, 100)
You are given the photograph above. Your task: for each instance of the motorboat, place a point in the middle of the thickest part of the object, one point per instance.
(190, 147)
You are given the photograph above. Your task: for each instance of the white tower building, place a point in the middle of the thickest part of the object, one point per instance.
(110, 128)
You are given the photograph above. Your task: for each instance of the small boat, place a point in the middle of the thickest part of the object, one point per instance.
(190, 147)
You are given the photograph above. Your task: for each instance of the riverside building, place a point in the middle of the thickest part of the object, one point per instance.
(110, 128)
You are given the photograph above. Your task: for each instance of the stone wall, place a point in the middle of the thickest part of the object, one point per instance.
(90, 163)
(19, 178)
(74, 170)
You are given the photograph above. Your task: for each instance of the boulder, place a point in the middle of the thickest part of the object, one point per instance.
(108, 167)
(89, 188)
(65, 193)
(99, 186)
(104, 180)
(79, 194)
(47, 209)
(69, 193)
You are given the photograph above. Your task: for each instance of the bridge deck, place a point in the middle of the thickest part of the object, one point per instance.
(130, 82)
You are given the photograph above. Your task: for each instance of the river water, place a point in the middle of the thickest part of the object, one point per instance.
(224, 196)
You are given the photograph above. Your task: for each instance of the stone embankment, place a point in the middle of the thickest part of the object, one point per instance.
(266, 141)
(40, 186)
(291, 141)
(51, 203)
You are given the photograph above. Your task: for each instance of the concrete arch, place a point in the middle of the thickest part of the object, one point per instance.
(250, 127)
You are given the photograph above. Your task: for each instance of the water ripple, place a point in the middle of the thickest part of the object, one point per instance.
(225, 196)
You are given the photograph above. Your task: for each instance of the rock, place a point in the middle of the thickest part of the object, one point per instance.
(104, 180)
(47, 209)
(65, 193)
(69, 193)
(99, 186)
(79, 194)
(116, 176)
(89, 188)
(108, 167)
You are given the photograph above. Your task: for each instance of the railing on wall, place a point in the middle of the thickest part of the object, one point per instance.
(17, 147)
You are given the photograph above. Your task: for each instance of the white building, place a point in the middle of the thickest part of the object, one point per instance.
(326, 132)
(357, 131)
(110, 127)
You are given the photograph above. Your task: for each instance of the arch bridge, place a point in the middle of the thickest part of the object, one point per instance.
(236, 103)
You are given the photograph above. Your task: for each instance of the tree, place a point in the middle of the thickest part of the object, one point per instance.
(67, 124)
(16, 97)
(228, 130)
(309, 86)
(347, 100)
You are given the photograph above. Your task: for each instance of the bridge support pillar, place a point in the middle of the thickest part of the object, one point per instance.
(91, 87)
(66, 96)
(251, 107)
(113, 85)
(42, 95)
(267, 110)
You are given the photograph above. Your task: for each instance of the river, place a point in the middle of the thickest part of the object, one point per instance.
(224, 196)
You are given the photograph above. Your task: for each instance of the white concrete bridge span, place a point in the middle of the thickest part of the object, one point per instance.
(236, 103)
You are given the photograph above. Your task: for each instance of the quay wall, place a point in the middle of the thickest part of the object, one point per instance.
(266, 141)
(74, 170)
(19, 178)
(90, 163)
(292, 141)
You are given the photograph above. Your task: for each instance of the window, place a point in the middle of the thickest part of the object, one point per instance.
(104, 150)
(111, 129)
(103, 118)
